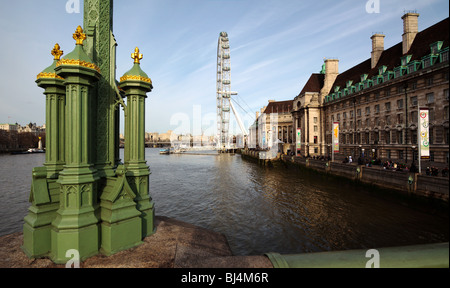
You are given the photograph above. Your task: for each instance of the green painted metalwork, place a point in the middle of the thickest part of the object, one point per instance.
(420, 256)
(83, 198)
(136, 84)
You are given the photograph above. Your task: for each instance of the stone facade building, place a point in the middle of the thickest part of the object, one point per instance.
(376, 102)
(274, 122)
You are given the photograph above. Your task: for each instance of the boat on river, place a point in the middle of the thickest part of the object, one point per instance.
(29, 151)
(166, 151)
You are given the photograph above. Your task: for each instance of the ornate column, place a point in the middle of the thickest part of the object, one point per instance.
(44, 195)
(136, 85)
(76, 224)
(100, 46)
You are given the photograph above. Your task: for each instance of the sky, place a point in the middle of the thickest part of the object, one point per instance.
(275, 46)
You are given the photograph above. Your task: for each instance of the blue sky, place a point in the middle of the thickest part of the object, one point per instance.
(275, 46)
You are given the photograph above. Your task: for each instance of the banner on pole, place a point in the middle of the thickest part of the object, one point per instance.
(299, 138)
(424, 133)
(336, 137)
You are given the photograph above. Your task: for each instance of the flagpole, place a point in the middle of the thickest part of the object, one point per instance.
(419, 135)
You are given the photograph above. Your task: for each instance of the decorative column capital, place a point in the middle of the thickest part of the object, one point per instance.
(136, 78)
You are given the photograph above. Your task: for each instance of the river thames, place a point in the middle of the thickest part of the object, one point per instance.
(258, 209)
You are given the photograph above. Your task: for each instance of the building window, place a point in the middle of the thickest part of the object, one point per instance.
(316, 150)
(414, 116)
(400, 137)
(351, 114)
(414, 101)
(399, 118)
(430, 98)
(344, 115)
(446, 94)
(387, 137)
(316, 128)
(414, 137)
(338, 117)
(444, 56)
(446, 113)
(429, 81)
(377, 109)
(358, 112)
(359, 124)
(387, 93)
(388, 106)
(446, 136)
(316, 119)
(388, 120)
(377, 121)
(315, 139)
(367, 111)
(414, 85)
(400, 104)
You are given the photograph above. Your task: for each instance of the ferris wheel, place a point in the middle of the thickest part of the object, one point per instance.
(223, 90)
(224, 93)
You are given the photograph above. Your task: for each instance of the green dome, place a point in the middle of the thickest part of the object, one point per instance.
(49, 72)
(78, 56)
(136, 71)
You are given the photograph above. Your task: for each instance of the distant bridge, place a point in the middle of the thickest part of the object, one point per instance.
(158, 144)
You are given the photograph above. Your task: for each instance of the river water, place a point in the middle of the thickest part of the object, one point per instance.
(258, 209)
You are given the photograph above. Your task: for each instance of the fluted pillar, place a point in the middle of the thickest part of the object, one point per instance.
(76, 225)
(44, 196)
(136, 85)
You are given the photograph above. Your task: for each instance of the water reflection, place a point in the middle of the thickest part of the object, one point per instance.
(260, 210)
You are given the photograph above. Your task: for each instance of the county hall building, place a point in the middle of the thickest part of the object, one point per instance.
(376, 102)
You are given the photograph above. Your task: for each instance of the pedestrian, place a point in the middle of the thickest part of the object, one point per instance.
(445, 172)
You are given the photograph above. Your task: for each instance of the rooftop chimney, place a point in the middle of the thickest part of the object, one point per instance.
(410, 30)
(377, 48)
(331, 73)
